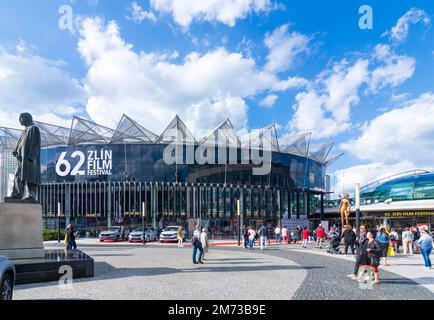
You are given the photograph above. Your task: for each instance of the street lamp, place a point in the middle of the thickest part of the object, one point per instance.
(237, 196)
(58, 222)
(357, 194)
(143, 222)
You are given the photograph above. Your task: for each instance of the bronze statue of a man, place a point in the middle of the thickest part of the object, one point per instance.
(28, 174)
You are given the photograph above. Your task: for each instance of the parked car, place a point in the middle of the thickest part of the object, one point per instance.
(137, 235)
(114, 233)
(170, 234)
(7, 278)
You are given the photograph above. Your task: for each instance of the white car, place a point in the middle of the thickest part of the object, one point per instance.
(170, 234)
(137, 235)
(7, 278)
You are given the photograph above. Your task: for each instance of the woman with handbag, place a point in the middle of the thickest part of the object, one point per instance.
(370, 258)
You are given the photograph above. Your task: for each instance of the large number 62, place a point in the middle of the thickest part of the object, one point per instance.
(63, 172)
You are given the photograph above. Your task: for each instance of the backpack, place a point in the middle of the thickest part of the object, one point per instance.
(194, 239)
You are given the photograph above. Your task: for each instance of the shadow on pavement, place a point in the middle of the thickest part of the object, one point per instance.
(105, 271)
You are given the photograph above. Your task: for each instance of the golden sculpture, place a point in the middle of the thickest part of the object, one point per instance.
(344, 209)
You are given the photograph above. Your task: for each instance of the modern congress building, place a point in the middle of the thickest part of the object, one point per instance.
(94, 177)
(400, 200)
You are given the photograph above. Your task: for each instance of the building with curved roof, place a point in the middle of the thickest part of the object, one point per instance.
(96, 176)
(406, 198)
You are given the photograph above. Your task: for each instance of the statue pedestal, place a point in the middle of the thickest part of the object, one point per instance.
(21, 231)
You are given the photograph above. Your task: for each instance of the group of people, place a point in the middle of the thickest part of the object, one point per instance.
(373, 246)
(250, 235)
(199, 243)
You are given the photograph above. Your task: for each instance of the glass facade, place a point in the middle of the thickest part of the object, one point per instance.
(8, 164)
(94, 176)
(92, 206)
(145, 162)
(415, 187)
(135, 177)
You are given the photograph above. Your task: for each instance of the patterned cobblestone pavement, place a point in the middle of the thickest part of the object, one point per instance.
(124, 271)
(326, 279)
(132, 272)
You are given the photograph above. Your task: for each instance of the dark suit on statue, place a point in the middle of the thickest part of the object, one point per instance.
(28, 172)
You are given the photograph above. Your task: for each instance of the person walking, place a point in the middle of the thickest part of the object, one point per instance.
(72, 234)
(425, 243)
(252, 236)
(370, 258)
(349, 239)
(320, 235)
(407, 241)
(263, 234)
(416, 236)
(297, 234)
(305, 236)
(293, 239)
(246, 237)
(204, 242)
(67, 237)
(278, 234)
(360, 241)
(394, 238)
(197, 245)
(285, 235)
(180, 237)
(383, 239)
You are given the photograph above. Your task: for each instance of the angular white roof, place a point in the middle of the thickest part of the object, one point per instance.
(176, 132)
(129, 131)
(223, 135)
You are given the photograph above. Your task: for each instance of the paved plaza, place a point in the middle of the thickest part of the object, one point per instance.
(156, 272)
(125, 271)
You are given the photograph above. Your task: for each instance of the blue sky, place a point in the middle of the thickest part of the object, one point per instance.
(369, 91)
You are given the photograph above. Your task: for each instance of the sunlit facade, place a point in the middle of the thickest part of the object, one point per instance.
(417, 185)
(95, 176)
(404, 199)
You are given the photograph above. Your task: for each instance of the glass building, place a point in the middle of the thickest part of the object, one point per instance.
(8, 164)
(404, 199)
(412, 185)
(94, 177)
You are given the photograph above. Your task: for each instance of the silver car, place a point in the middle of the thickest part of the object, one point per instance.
(137, 235)
(7, 278)
(114, 234)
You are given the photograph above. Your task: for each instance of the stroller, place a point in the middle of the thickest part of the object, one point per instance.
(334, 246)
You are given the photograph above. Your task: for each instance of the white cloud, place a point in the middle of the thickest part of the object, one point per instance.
(290, 83)
(37, 85)
(395, 141)
(138, 14)
(344, 180)
(394, 71)
(269, 101)
(204, 89)
(184, 12)
(400, 31)
(399, 97)
(391, 137)
(325, 107)
(284, 48)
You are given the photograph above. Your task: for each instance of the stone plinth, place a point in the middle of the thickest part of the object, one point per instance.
(21, 231)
